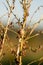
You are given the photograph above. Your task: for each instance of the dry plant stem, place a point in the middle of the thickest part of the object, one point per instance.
(25, 16)
(5, 34)
(35, 13)
(28, 37)
(15, 16)
(9, 29)
(10, 10)
(32, 36)
(35, 26)
(21, 52)
(22, 36)
(24, 23)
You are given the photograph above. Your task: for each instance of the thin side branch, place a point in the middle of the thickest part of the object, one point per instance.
(35, 26)
(35, 12)
(30, 37)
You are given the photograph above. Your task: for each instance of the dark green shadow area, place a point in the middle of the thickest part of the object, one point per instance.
(25, 62)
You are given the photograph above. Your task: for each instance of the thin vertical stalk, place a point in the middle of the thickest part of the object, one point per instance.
(5, 34)
(24, 22)
(21, 52)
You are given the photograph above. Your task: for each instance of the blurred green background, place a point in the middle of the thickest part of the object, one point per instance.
(30, 56)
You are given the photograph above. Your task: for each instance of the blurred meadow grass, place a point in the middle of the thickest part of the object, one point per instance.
(34, 43)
